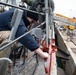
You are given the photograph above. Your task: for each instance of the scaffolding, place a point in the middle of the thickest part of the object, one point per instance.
(50, 62)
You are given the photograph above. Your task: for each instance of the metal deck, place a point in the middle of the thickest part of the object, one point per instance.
(68, 44)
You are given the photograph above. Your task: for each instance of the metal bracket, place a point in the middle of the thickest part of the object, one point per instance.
(15, 22)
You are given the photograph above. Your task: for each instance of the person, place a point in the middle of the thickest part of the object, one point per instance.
(28, 40)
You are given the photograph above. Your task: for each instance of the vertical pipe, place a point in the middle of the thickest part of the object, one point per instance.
(51, 17)
(47, 22)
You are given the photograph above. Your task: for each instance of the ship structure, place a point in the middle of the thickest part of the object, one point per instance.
(56, 33)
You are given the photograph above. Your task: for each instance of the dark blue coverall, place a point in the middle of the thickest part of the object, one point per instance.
(28, 41)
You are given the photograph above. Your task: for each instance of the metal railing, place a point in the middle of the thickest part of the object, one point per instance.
(51, 48)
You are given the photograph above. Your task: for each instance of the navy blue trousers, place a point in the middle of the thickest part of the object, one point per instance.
(28, 41)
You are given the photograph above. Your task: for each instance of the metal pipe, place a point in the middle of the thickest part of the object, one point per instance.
(51, 16)
(20, 8)
(19, 37)
(53, 32)
(47, 21)
(10, 64)
(51, 4)
(6, 59)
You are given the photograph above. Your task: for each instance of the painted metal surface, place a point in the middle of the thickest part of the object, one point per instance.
(50, 62)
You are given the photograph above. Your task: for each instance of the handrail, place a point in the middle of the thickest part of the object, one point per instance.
(53, 53)
(50, 48)
(50, 62)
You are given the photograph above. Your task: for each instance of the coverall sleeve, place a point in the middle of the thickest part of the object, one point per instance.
(28, 40)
